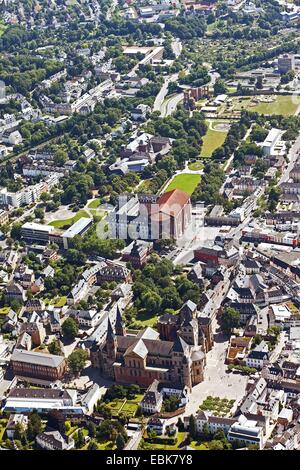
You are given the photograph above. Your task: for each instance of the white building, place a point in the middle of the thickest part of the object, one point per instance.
(273, 145)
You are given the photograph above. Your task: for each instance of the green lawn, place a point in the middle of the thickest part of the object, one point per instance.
(94, 203)
(3, 423)
(211, 141)
(4, 310)
(106, 445)
(198, 445)
(196, 166)
(180, 438)
(282, 104)
(143, 320)
(128, 407)
(184, 182)
(285, 105)
(60, 302)
(66, 223)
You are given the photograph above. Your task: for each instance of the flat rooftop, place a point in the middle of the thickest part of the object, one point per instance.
(77, 228)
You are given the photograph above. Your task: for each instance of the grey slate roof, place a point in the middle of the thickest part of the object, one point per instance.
(47, 360)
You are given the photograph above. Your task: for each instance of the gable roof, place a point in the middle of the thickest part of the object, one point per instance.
(171, 202)
(138, 348)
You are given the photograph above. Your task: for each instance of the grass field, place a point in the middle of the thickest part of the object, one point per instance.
(94, 203)
(283, 104)
(211, 141)
(180, 438)
(65, 223)
(184, 182)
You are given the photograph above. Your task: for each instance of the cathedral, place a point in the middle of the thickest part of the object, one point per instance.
(174, 355)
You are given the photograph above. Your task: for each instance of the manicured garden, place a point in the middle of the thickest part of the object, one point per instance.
(126, 406)
(219, 406)
(185, 182)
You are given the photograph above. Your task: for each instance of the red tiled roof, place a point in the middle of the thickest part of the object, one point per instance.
(172, 202)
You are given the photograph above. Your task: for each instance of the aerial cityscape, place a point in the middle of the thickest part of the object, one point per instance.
(149, 226)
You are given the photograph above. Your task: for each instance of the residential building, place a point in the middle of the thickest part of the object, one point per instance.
(16, 419)
(152, 400)
(54, 440)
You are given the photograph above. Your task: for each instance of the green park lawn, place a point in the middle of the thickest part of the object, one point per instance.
(180, 438)
(57, 302)
(143, 319)
(185, 182)
(285, 105)
(94, 203)
(195, 166)
(211, 141)
(4, 310)
(282, 104)
(198, 445)
(66, 223)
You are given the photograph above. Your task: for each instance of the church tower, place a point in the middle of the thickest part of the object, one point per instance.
(120, 328)
(111, 342)
(186, 372)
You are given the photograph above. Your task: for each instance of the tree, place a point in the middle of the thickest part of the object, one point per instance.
(259, 83)
(56, 420)
(34, 426)
(180, 425)
(60, 157)
(91, 429)
(230, 319)
(92, 445)
(205, 430)
(216, 445)
(19, 431)
(77, 360)
(120, 442)
(39, 213)
(54, 348)
(220, 87)
(193, 426)
(70, 328)
(80, 439)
